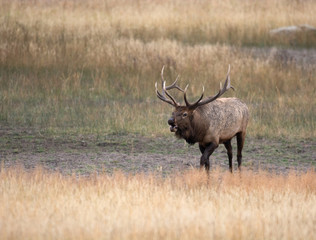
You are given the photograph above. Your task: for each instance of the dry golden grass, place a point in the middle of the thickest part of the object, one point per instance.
(229, 21)
(39, 205)
(91, 66)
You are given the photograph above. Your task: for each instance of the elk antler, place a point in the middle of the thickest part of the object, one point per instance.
(201, 102)
(165, 88)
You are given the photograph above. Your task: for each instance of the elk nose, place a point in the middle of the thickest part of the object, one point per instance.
(171, 121)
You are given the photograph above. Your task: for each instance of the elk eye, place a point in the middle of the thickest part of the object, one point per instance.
(184, 114)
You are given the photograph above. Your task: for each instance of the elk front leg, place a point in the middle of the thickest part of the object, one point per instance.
(202, 148)
(208, 150)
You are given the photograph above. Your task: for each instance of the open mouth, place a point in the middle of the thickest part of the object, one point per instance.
(173, 128)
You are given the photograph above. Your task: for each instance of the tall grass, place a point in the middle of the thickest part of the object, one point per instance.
(38, 205)
(229, 21)
(91, 66)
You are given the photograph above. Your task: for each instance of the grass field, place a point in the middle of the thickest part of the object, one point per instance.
(77, 97)
(91, 67)
(39, 205)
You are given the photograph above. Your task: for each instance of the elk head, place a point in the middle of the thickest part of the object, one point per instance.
(183, 117)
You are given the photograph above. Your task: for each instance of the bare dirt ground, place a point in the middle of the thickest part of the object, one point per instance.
(134, 153)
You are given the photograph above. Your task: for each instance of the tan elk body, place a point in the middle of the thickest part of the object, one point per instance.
(209, 121)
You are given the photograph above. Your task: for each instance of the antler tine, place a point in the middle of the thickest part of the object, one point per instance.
(174, 85)
(186, 101)
(185, 95)
(162, 80)
(161, 97)
(221, 91)
(202, 95)
(227, 83)
(172, 99)
(164, 90)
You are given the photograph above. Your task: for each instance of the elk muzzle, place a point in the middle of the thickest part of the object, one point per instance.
(172, 123)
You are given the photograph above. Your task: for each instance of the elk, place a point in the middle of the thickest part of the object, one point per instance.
(209, 122)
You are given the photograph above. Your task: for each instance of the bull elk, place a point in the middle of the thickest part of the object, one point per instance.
(209, 122)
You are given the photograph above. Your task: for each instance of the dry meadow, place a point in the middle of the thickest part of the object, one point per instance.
(249, 205)
(77, 97)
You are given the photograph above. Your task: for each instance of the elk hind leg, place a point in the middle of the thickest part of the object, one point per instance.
(240, 144)
(229, 149)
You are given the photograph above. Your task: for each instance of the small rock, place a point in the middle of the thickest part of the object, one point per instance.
(290, 30)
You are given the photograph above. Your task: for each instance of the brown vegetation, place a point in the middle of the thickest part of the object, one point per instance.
(39, 205)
